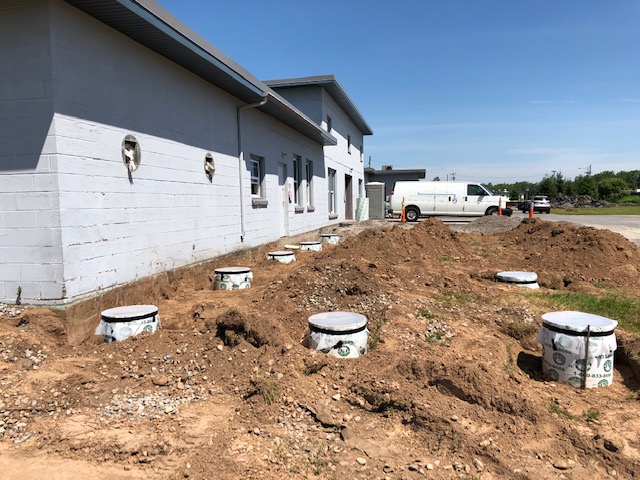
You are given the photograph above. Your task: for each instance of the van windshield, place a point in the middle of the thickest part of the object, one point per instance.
(489, 191)
(475, 189)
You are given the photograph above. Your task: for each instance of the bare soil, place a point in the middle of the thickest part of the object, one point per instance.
(450, 388)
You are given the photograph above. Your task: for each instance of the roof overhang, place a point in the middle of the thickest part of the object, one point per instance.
(331, 85)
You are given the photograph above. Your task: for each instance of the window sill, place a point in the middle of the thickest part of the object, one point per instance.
(259, 202)
(333, 216)
(311, 208)
(299, 209)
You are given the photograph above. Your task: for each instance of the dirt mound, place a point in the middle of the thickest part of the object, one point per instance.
(565, 255)
(451, 386)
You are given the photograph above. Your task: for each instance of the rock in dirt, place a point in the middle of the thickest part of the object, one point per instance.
(160, 380)
(373, 448)
(564, 464)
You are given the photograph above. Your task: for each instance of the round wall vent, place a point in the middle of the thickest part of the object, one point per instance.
(209, 166)
(131, 153)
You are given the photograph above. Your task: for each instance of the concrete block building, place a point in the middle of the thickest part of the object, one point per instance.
(131, 146)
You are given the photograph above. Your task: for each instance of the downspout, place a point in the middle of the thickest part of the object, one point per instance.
(241, 158)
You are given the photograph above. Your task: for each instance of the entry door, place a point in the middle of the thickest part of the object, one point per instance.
(475, 200)
(348, 198)
(284, 200)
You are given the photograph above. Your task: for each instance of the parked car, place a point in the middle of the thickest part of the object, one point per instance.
(540, 204)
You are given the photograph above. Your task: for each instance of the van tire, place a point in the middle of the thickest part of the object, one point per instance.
(412, 214)
(491, 211)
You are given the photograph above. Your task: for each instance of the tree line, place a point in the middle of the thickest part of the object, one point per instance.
(606, 185)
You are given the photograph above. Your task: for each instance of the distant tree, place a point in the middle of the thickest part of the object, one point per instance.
(632, 178)
(569, 187)
(522, 189)
(548, 186)
(561, 182)
(556, 183)
(603, 175)
(612, 188)
(585, 185)
(436, 179)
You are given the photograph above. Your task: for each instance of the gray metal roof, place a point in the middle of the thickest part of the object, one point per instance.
(332, 86)
(147, 23)
(420, 172)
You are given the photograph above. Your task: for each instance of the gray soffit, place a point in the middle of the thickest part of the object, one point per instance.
(331, 85)
(147, 23)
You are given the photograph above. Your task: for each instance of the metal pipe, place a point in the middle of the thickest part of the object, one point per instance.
(241, 158)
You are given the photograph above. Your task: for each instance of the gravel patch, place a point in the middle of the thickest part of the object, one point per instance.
(489, 224)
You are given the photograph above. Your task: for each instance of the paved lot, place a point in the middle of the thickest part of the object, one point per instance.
(626, 225)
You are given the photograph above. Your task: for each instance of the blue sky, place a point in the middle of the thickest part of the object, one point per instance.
(491, 90)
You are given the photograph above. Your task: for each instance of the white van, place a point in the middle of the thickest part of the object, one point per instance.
(423, 199)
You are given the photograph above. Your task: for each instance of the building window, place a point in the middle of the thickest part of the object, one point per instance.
(257, 176)
(360, 192)
(349, 144)
(361, 155)
(331, 177)
(297, 180)
(329, 124)
(309, 184)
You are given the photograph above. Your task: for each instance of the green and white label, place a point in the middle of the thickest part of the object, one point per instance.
(559, 358)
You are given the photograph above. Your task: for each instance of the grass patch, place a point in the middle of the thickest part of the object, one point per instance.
(553, 407)
(630, 199)
(591, 415)
(619, 210)
(439, 338)
(618, 307)
(267, 388)
(424, 313)
(374, 334)
(519, 331)
(510, 365)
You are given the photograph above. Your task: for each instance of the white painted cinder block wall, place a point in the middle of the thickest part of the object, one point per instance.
(30, 235)
(107, 229)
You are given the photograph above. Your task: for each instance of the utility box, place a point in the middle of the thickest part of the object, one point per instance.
(377, 205)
